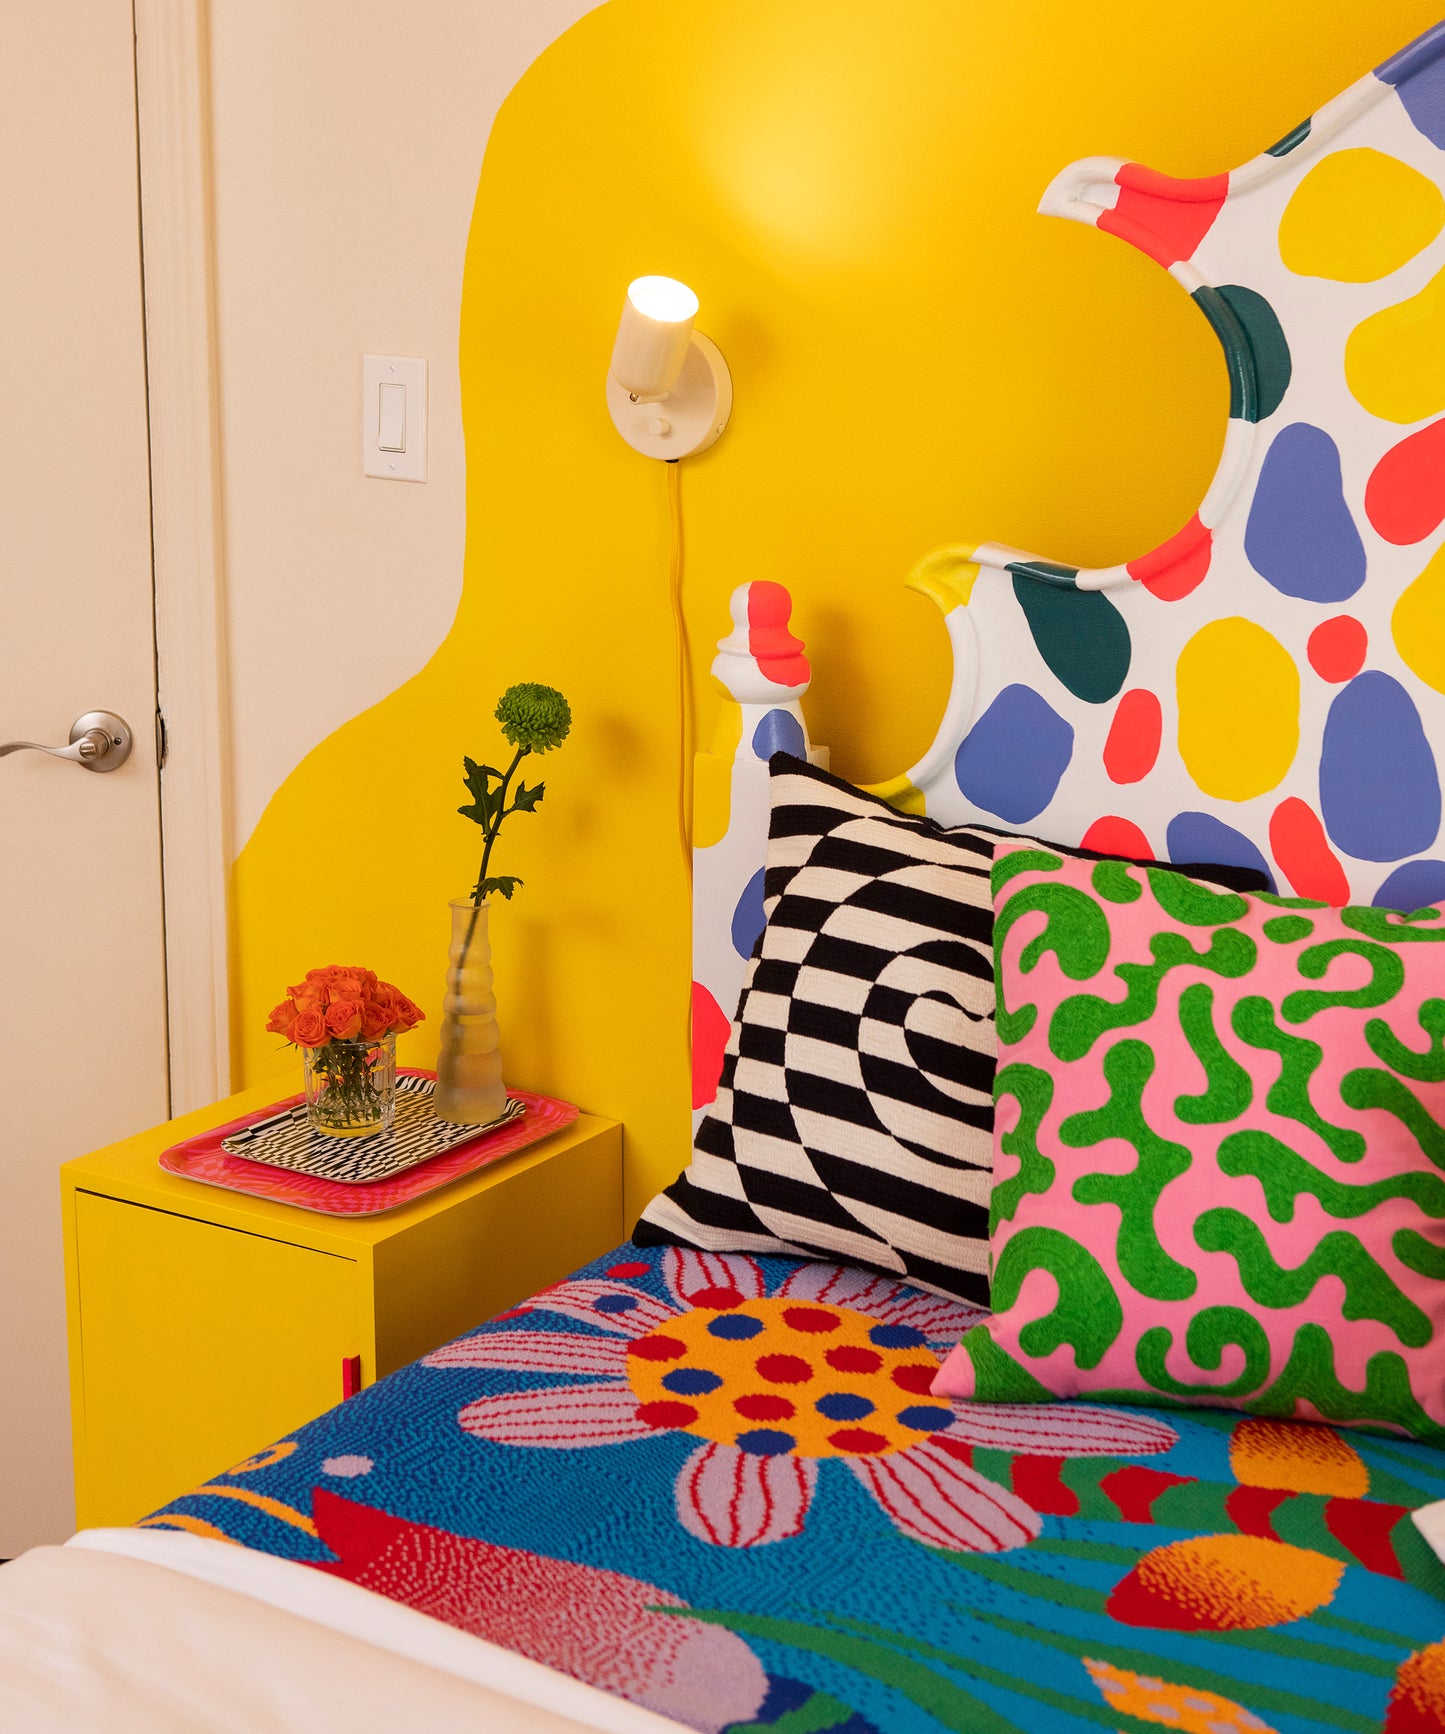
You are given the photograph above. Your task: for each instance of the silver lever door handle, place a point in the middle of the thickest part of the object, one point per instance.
(99, 741)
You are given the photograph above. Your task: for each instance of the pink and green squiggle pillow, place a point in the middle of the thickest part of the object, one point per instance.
(1219, 1157)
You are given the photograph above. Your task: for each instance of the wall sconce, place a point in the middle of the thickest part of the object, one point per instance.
(668, 387)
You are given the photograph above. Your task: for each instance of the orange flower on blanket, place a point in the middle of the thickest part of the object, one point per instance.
(1417, 1699)
(830, 1374)
(1296, 1457)
(1224, 1583)
(1186, 1709)
(341, 1003)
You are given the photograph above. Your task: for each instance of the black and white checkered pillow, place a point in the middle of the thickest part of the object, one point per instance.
(854, 1117)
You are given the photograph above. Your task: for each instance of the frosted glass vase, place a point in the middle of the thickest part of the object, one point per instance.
(469, 1091)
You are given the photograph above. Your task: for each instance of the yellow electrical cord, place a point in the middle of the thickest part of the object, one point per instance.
(684, 695)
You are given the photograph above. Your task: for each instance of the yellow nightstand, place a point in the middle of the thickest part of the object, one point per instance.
(204, 1324)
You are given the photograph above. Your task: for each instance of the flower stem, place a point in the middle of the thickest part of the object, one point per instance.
(491, 837)
(347, 1090)
(496, 824)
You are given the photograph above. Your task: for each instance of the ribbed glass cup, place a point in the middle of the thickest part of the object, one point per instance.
(351, 1087)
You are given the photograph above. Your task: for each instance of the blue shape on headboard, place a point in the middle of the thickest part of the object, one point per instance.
(1010, 761)
(779, 732)
(1300, 535)
(1413, 886)
(1379, 790)
(748, 917)
(1418, 73)
(1200, 837)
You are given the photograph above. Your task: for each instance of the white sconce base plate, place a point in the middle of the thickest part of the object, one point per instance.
(689, 418)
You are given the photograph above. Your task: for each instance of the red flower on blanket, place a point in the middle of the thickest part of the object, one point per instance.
(835, 1364)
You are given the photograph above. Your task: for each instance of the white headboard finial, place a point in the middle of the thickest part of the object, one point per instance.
(762, 671)
(760, 661)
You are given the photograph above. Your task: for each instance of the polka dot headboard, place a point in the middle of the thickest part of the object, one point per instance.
(1268, 686)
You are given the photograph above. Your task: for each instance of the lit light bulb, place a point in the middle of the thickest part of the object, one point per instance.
(652, 336)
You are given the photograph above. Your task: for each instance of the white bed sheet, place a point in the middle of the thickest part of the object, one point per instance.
(153, 1631)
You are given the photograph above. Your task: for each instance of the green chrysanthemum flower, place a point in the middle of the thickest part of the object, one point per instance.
(534, 718)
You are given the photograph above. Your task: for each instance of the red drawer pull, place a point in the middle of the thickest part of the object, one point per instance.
(350, 1376)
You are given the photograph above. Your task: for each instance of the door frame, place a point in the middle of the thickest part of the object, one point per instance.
(177, 254)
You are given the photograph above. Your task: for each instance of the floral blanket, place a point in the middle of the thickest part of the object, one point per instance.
(720, 1487)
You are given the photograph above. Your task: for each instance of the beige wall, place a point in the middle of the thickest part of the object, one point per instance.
(347, 145)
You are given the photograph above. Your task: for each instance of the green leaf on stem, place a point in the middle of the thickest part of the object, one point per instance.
(479, 777)
(485, 806)
(525, 800)
(507, 884)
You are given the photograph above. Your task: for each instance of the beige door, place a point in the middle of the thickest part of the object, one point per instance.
(82, 980)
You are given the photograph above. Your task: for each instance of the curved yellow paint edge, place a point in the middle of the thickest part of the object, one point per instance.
(779, 172)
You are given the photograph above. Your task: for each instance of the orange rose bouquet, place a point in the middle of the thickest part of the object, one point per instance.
(346, 1021)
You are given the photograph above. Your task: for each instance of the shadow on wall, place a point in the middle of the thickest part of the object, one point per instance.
(850, 187)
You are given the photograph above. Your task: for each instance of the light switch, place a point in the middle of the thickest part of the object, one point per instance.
(393, 417)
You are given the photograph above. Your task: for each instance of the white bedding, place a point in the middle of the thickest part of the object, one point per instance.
(153, 1631)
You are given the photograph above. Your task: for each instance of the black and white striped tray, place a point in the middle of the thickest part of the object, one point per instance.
(416, 1135)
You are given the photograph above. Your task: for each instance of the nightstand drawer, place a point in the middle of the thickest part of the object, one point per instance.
(198, 1345)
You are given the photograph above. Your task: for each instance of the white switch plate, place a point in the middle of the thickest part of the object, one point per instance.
(408, 372)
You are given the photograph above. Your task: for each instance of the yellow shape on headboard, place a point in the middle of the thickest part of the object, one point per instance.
(946, 577)
(712, 778)
(899, 793)
(1418, 624)
(1238, 691)
(1395, 359)
(1357, 216)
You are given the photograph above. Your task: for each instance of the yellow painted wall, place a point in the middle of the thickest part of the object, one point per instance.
(850, 187)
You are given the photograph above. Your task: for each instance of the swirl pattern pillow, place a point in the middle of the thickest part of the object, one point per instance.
(855, 1110)
(1219, 1145)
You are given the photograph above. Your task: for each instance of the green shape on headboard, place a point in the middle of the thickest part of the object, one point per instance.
(1295, 137)
(1272, 364)
(1255, 351)
(1080, 634)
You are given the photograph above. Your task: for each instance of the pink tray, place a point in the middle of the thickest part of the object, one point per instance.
(202, 1159)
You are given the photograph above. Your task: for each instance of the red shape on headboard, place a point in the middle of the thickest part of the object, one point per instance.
(1177, 566)
(1134, 735)
(1338, 647)
(1297, 839)
(1163, 217)
(1405, 495)
(775, 650)
(710, 1029)
(1114, 836)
